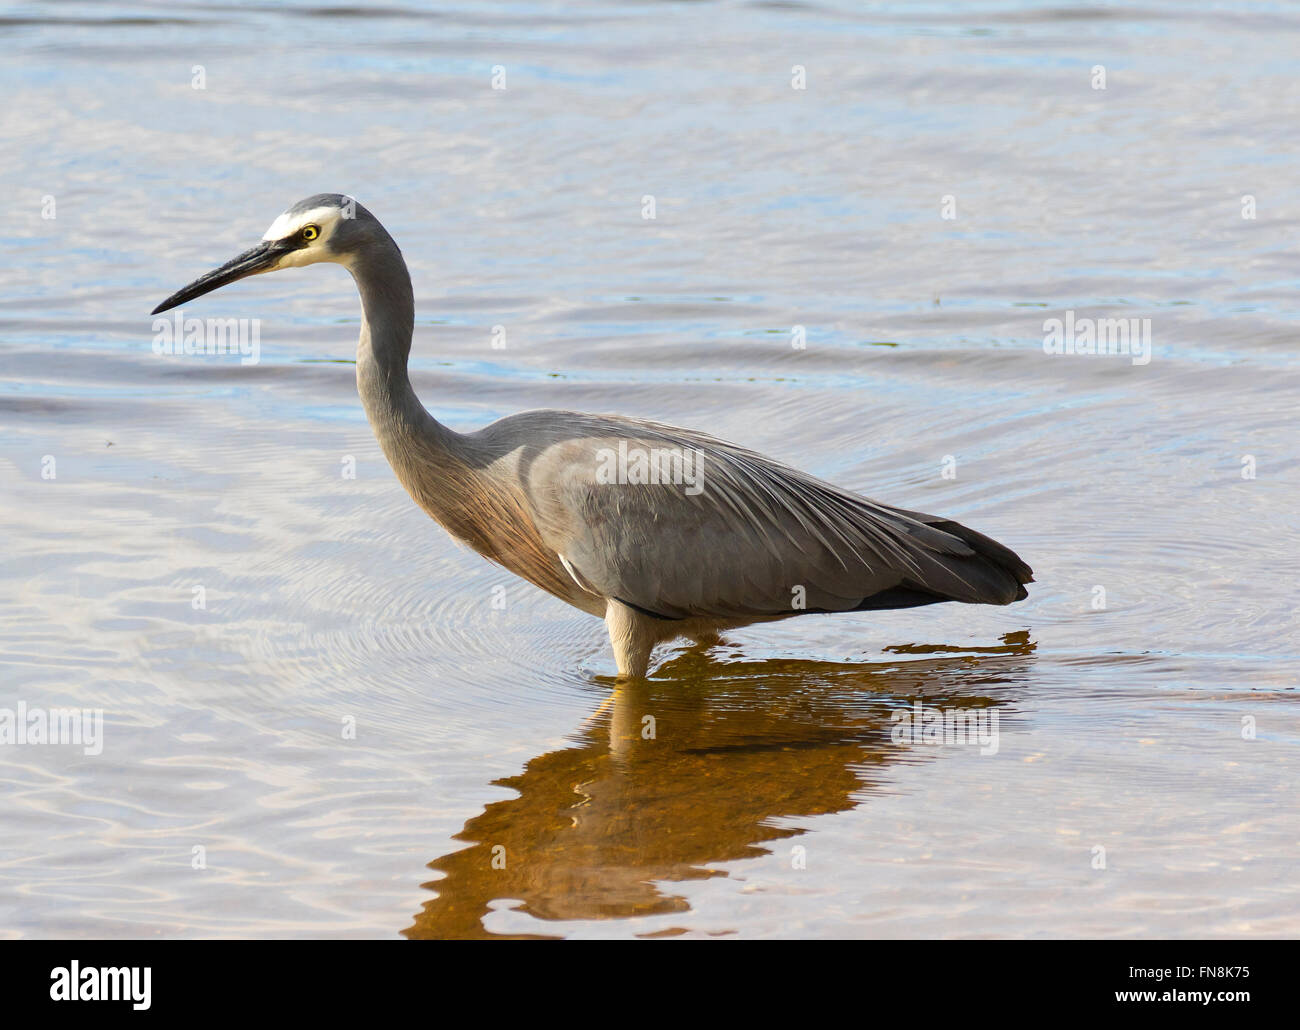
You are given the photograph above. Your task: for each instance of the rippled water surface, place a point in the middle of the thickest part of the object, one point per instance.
(370, 731)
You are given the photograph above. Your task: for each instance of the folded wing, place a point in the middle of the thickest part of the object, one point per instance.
(748, 537)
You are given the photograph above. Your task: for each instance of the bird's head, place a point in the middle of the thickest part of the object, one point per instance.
(326, 227)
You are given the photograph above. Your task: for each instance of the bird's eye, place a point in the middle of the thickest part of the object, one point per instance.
(310, 232)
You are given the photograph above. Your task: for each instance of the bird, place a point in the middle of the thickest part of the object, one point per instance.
(663, 532)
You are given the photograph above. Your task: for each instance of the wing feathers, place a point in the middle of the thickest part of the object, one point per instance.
(758, 539)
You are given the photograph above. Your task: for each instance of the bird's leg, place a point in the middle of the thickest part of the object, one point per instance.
(631, 637)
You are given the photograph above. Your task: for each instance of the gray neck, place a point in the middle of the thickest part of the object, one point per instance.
(387, 321)
(428, 458)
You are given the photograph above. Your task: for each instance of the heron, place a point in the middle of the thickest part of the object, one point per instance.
(662, 532)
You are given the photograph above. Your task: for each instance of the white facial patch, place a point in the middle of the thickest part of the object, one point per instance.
(288, 224)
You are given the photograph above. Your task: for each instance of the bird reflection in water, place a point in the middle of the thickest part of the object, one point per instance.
(675, 775)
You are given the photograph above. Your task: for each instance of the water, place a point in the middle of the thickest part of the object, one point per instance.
(351, 731)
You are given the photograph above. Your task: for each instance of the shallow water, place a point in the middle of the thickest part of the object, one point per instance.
(772, 799)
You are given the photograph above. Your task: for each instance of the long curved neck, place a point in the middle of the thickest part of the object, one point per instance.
(442, 470)
(428, 459)
(387, 321)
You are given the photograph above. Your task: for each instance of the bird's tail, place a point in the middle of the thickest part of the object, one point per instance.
(992, 552)
(983, 570)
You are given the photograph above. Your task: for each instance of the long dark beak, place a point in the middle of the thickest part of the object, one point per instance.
(261, 258)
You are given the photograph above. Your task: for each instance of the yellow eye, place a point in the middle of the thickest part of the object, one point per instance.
(310, 232)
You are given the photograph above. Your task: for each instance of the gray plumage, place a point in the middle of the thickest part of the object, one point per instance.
(748, 540)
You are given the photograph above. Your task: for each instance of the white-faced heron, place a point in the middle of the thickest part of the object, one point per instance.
(662, 532)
